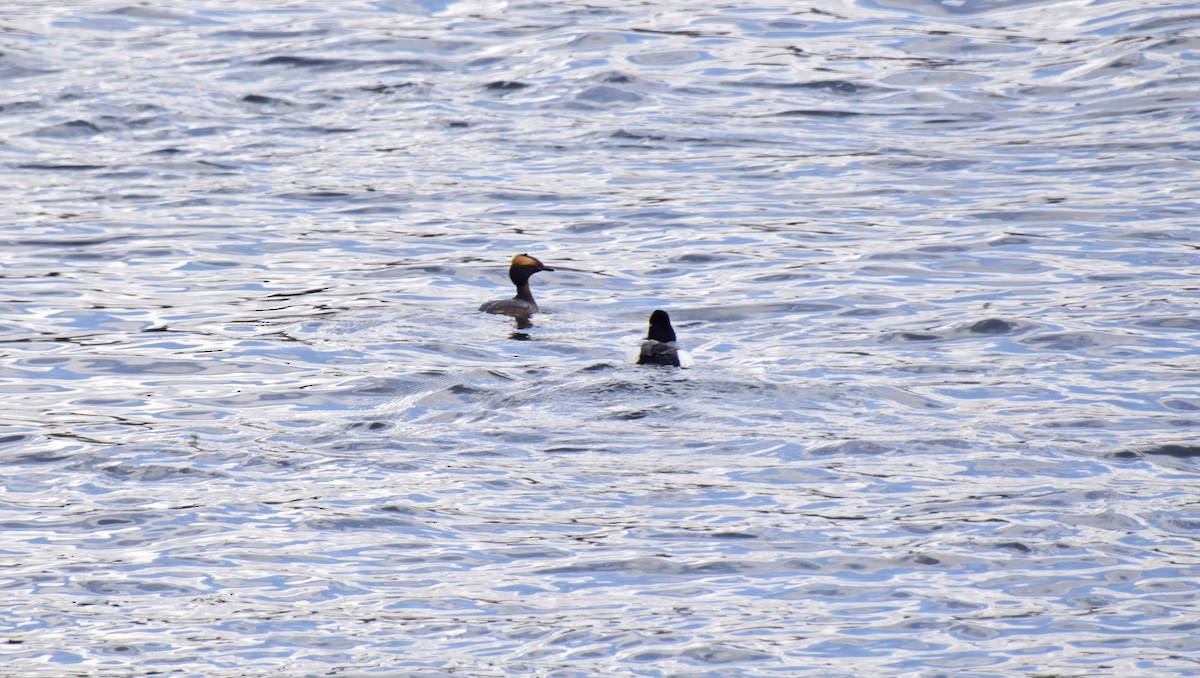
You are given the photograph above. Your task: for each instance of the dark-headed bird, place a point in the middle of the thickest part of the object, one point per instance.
(659, 347)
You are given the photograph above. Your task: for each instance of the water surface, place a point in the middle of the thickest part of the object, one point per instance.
(936, 262)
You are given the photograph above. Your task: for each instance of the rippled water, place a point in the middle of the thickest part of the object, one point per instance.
(936, 262)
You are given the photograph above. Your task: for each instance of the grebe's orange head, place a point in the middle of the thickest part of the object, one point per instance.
(524, 266)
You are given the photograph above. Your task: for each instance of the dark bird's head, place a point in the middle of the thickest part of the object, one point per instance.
(524, 266)
(660, 327)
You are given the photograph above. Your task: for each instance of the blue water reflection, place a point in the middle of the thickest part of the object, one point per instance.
(935, 260)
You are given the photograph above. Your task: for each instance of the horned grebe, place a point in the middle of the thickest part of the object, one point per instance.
(523, 304)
